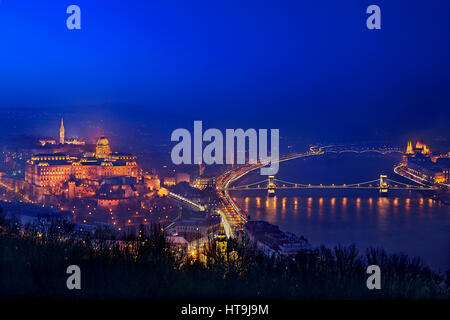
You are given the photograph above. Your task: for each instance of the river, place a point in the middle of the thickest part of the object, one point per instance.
(404, 221)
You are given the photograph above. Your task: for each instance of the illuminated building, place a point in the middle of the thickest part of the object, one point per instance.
(216, 249)
(177, 241)
(63, 140)
(446, 175)
(196, 226)
(169, 181)
(271, 240)
(75, 141)
(61, 132)
(152, 181)
(102, 150)
(79, 189)
(113, 195)
(182, 177)
(204, 182)
(45, 173)
(44, 142)
(422, 163)
(163, 192)
(422, 166)
(409, 148)
(444, 163)
(422, 148)
(71, 190)
(50, 170)
(179, 177)
(419, 148)
(122, 156)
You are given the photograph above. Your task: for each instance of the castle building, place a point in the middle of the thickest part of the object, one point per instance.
(102, 149)
(55, 169)
(51, 170)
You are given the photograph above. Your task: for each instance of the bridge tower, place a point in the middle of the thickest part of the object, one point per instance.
(271, 187)
(384, 187)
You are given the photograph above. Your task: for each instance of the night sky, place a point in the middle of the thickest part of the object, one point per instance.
(310, 68)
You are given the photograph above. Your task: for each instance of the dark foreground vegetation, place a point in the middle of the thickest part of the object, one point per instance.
(34, 266)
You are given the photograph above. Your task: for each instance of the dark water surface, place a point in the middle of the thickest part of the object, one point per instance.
(404, 221)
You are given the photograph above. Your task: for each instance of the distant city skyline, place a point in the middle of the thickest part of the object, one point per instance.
(91, 123)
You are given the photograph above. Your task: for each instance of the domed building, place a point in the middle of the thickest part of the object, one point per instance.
(102, 150)
(65, 163)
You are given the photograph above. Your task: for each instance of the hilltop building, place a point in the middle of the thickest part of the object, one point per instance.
(55, 169)
(102, 149)
(49, 170)
(62, 141)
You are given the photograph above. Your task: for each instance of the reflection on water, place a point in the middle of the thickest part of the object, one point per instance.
(354, 217)
(309, 207)
(383, 205)
(403, 221)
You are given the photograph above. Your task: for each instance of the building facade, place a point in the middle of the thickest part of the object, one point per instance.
(50, 170)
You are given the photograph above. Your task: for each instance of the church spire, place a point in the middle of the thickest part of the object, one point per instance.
(61, 132)
(409, 149)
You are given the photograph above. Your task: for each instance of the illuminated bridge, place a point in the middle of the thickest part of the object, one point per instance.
(234, 218)
(383, 184)
(357, 149)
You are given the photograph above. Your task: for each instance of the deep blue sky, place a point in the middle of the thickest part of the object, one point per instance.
(311, 68)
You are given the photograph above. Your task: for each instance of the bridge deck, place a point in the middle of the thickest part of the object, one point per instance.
(326, 187)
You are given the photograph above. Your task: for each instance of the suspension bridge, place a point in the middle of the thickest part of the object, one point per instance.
(383, 184)
(234, 218)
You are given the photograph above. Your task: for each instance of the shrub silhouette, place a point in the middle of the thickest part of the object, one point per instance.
(33, 265)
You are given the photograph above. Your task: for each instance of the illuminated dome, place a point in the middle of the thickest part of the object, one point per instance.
(103, 149)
